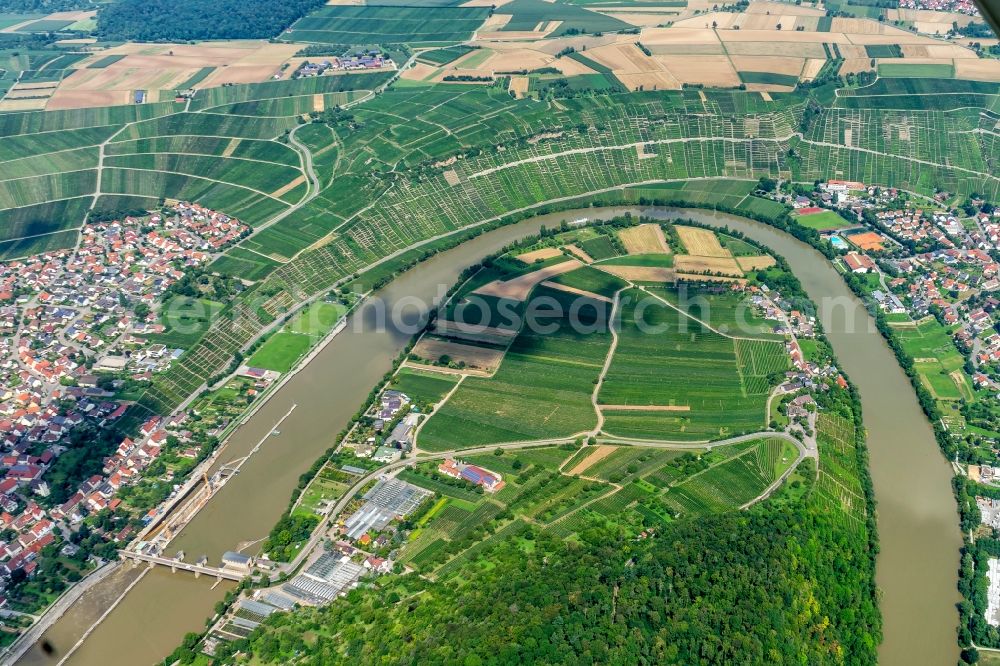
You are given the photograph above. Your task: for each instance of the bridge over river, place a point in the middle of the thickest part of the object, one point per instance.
(176, 564)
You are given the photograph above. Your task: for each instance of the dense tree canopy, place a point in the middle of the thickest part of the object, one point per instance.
(42, 6)
(181, 20)
(778, 586)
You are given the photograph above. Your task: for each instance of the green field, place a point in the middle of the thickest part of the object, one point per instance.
(423, 387)
(823, 221)
(281, 351)
(884, 51)
(317, 319)
(541, 390)
(592, 280)
(343, 24)
(186, 320)
(769, 78)
(444, 56)
(717, 385)
(906, 70)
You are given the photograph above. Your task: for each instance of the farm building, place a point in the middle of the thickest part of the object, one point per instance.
(490, 481)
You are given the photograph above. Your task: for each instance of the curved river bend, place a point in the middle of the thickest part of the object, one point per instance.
(917, 519)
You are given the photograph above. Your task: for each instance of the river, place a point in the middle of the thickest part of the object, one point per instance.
(917, 520)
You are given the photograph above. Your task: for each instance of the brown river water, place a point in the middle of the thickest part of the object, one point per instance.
(917, 519)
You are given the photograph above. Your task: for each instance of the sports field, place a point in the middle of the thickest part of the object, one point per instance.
(823, 221)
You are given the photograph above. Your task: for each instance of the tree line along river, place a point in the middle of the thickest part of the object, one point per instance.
(917, 518)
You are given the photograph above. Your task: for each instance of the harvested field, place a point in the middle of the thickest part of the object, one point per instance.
(661, 80)
(712, 48)
(318, 103)
(495, 22)
(783, 8)
(481, 358)
(484, 3)
(849, 51)
(699, 264)
(701, 242)
(156, 67)
(519, 288)
(978, 70)
(712, 71)
(640, 20)
(519, 86)
(29, 94)
(936, 51)
(755, 263)
(857, 26)
(634, 68)
(238, 74)
(78, 99)
(579, 292)
(697, 34)
(771, 64)
(855, 65)
(640, 273)
(579, 252)
(41, 85)
(543, 254)
(723, 20)
(125, 78)
(644, 239)
(787, 49)
(600, 453)
(23, 104)
(780, 36)
(419, 71)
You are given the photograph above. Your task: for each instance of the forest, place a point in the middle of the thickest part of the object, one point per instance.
(182, 20)
(43, 6)
(778, 585)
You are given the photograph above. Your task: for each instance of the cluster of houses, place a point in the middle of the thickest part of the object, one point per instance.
(366, 59)
(961, 6)
(387, 430)
(913, 226)
(60, 310)
(63, 306)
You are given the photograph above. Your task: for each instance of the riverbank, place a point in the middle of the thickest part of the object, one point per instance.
(174, 504)
(916, 521)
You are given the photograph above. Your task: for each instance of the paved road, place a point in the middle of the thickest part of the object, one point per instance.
(336, 509)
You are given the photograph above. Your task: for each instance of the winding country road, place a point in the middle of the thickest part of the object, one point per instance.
(320, 531)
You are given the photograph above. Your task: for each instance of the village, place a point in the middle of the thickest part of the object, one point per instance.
(933, 272)
(80, 339)
(366, 59)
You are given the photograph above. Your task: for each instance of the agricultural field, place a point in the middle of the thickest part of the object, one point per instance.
(916, 70)
(541, 390)
(185, 320)
(684, 382)
(565, 490)
(378, 24)
(705, 145)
